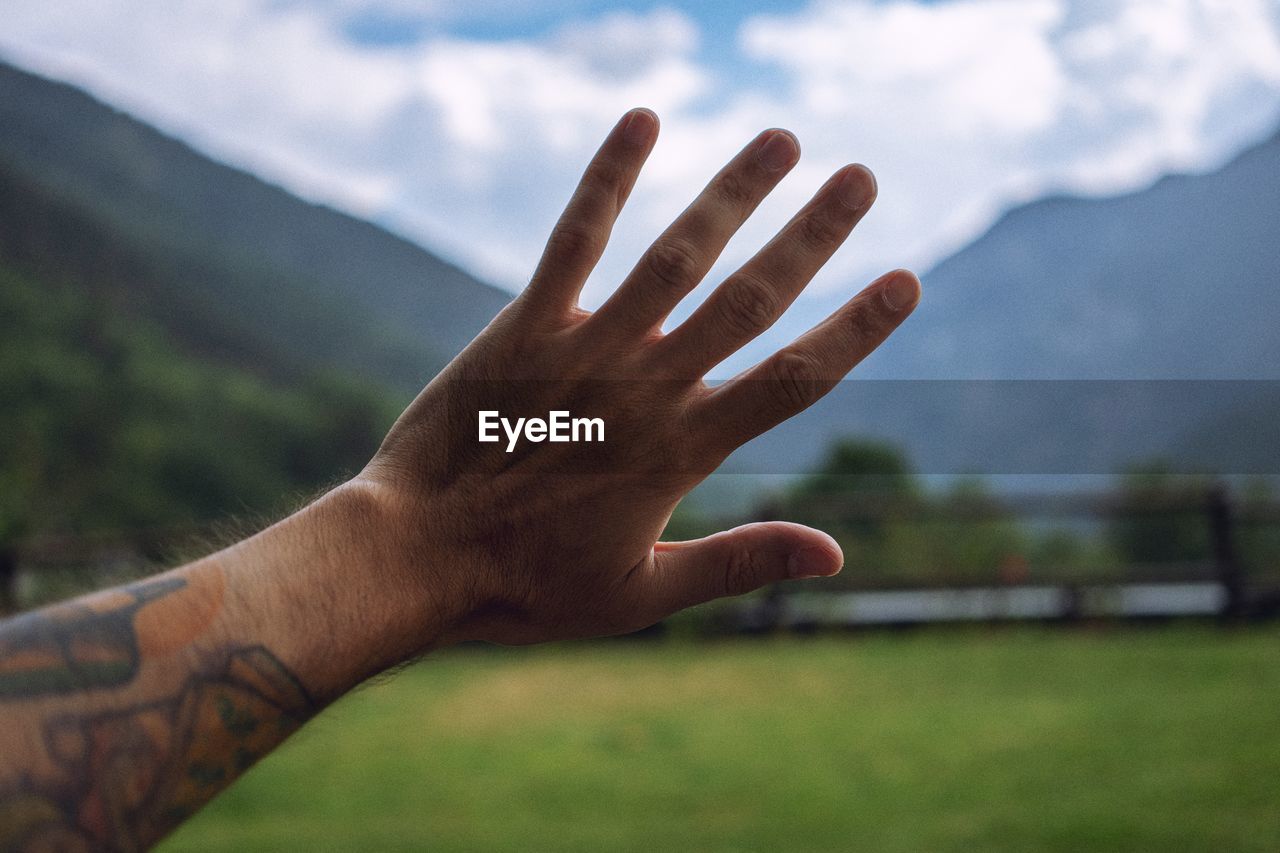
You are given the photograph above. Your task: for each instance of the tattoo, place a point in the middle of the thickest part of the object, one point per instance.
(76, 646)
(128, 776)
(119, 778)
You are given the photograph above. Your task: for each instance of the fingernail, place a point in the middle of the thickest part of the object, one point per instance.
(810, 563)
(857, 187)
(636, 127)
(900, 291)
(779, 151)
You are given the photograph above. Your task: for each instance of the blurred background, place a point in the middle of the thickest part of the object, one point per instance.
(236, 238)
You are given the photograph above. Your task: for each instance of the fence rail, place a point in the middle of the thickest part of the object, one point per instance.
(1023, 603)
(1217, 585)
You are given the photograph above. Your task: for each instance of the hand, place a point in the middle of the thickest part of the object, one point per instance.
(443, 537)
(553, 541)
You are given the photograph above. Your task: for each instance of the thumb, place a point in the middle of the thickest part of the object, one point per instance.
(738, 561)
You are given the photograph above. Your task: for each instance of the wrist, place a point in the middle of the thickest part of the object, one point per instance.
(395, 566)
(348, 592)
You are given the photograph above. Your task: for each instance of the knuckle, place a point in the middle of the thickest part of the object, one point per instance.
(820, 231)
(742, 571)
(673, 262)
(575, 239)
(603, 172)
(735, 190)
(750, 305)
(866, 320)
(794, 380)
(739, 571)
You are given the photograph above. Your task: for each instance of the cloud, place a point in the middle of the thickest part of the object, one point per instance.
(973, 69)
(471, 145)
(966, 107)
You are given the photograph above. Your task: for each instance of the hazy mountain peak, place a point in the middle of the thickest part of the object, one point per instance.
(1175, 281)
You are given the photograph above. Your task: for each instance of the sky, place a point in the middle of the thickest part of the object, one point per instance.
(465, 126)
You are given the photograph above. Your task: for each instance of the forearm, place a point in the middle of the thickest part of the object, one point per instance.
(127, 710)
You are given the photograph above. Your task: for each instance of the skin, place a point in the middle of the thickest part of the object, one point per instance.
(126, 710)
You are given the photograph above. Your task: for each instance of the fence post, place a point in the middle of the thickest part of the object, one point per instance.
(1226, 561)
(8, 579)
(772, 609)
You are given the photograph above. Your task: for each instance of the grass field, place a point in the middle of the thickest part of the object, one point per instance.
(1164, 739)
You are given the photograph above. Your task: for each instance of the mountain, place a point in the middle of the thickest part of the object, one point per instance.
(183, 342)
(235, 265)
(161, 311)
(108, 425)
(1180, 280)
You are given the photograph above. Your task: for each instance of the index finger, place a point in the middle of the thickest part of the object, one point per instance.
(800, 374)
(582, 232)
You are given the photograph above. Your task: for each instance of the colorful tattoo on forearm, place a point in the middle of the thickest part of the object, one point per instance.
(76, 646)
(126, 776)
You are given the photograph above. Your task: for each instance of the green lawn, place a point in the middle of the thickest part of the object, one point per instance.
(1165, 739)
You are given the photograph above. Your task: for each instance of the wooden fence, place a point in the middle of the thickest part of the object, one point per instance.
(1219, 585)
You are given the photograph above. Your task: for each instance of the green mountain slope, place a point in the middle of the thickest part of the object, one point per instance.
(106, 425)
(182, 341)
(242, 266)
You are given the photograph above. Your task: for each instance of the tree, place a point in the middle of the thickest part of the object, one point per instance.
(1160, 516)
(860, 492)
